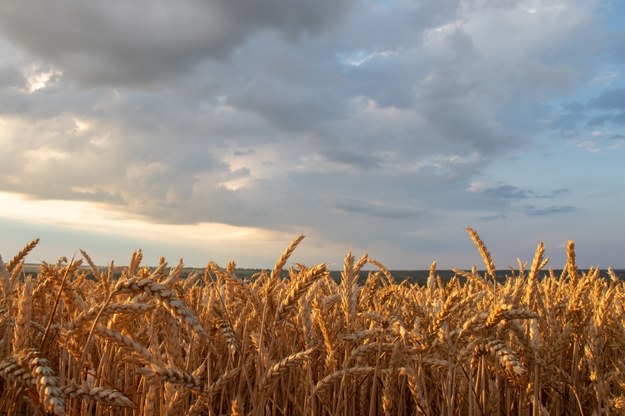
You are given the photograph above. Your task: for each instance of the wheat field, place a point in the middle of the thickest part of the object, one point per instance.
(136, 340)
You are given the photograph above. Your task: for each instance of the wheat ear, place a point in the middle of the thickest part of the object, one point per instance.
(167, 298)
(22, 254)
(99, 394)
(46, 381)
(172, 375)
(571, 267)
(481, 247)
(298, 289)
(282, 367)
(348, 372)
(277, 269)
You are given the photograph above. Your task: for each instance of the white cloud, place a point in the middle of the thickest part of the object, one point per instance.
(476, 186)
(361, 57)
(38, 78)
(438, 36)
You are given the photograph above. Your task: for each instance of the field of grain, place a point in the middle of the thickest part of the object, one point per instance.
(138, 340)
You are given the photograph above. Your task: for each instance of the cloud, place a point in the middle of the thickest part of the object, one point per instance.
(534, 211)
(505, 192)
(610, 99)
(351, 158)
(556, 193)
(617, 49)
(493, 217)
(577, 121)
(575, 106)
(10, 77)
(505, 199)
(112, 43)
(322, 115)
(508, 192)
(376, 209)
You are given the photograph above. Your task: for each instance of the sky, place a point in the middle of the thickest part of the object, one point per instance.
(221, 130)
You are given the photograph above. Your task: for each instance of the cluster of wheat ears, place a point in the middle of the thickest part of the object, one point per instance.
(77, 339)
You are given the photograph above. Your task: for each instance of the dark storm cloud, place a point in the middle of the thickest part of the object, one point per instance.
(122, 44)
(12, 102)
(10, 77)
(287, 107)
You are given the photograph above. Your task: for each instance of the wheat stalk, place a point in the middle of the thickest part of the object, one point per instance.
(21, 336)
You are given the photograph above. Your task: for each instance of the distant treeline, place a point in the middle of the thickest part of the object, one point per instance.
(413, 276)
